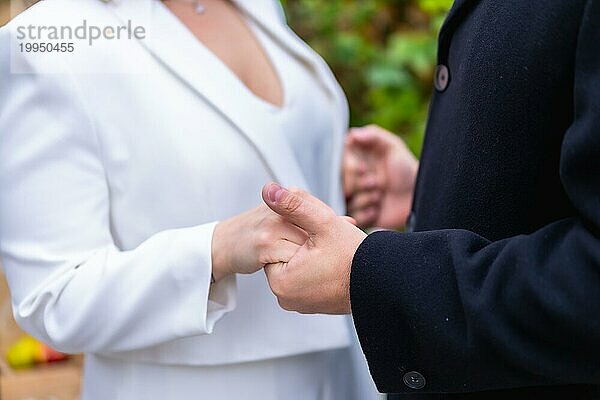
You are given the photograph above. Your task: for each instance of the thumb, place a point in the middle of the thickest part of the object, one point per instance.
(297, 207)
(364, 136)
(371, 136)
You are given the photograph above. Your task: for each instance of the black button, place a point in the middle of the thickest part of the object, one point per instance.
(442, 78)
(414, 380)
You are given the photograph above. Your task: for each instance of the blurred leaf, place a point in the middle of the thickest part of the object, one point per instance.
(387, 76)
(382, 51)
(435, 6)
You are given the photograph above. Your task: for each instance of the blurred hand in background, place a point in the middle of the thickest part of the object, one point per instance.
(379, 174)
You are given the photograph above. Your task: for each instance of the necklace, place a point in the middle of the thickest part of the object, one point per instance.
(198, 6)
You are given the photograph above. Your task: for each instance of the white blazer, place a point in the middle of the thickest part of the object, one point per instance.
(111, 185)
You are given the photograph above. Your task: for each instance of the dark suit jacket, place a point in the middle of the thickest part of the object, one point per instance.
(498, 285)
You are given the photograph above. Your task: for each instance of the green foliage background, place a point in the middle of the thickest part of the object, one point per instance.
(382, 51)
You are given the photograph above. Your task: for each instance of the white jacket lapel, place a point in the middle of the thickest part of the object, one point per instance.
(179, 51)
(265, 13)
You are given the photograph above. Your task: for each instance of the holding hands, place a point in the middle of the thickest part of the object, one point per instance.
(305, 248)
(317, 277)
(245, 243)
(302, 244)
(379, 175)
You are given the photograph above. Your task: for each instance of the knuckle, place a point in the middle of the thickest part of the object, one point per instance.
(264, 258)
(293, 204)
(282, 287)
(263, 241)
(372, 127)
(276, 288)
(350, 162)
(328, 219)
(271, 274)
(286, 305)
(264, 238)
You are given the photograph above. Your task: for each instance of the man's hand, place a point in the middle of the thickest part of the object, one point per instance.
(317, 277)
(379, 174)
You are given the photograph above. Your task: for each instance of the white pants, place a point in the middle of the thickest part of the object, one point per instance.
(327, 375)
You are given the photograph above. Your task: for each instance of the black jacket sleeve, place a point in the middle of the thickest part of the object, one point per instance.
(469, 314)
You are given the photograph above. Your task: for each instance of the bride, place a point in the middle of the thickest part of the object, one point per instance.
(130, 213)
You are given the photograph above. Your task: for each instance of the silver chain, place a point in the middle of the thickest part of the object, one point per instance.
(198, 6)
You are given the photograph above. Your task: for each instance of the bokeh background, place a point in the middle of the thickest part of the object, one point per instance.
(382, 51)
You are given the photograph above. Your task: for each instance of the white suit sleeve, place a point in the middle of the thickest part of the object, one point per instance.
(71, 286)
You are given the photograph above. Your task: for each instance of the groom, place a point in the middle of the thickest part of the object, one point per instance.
(495, 288)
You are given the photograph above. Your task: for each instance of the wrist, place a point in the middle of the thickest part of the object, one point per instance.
(356, 238)
(219, 253)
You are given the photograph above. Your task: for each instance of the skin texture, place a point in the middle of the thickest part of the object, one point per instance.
(245, 243)
(379, 174)
(224, 32)
(317, 277)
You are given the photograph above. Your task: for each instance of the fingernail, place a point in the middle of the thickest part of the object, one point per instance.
(276, 192)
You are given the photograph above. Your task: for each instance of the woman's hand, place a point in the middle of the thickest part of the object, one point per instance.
(245, 243)
(379, 174)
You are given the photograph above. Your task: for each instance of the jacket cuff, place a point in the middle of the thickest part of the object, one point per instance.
(201, 304)
(369, 310)
(399, 291)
